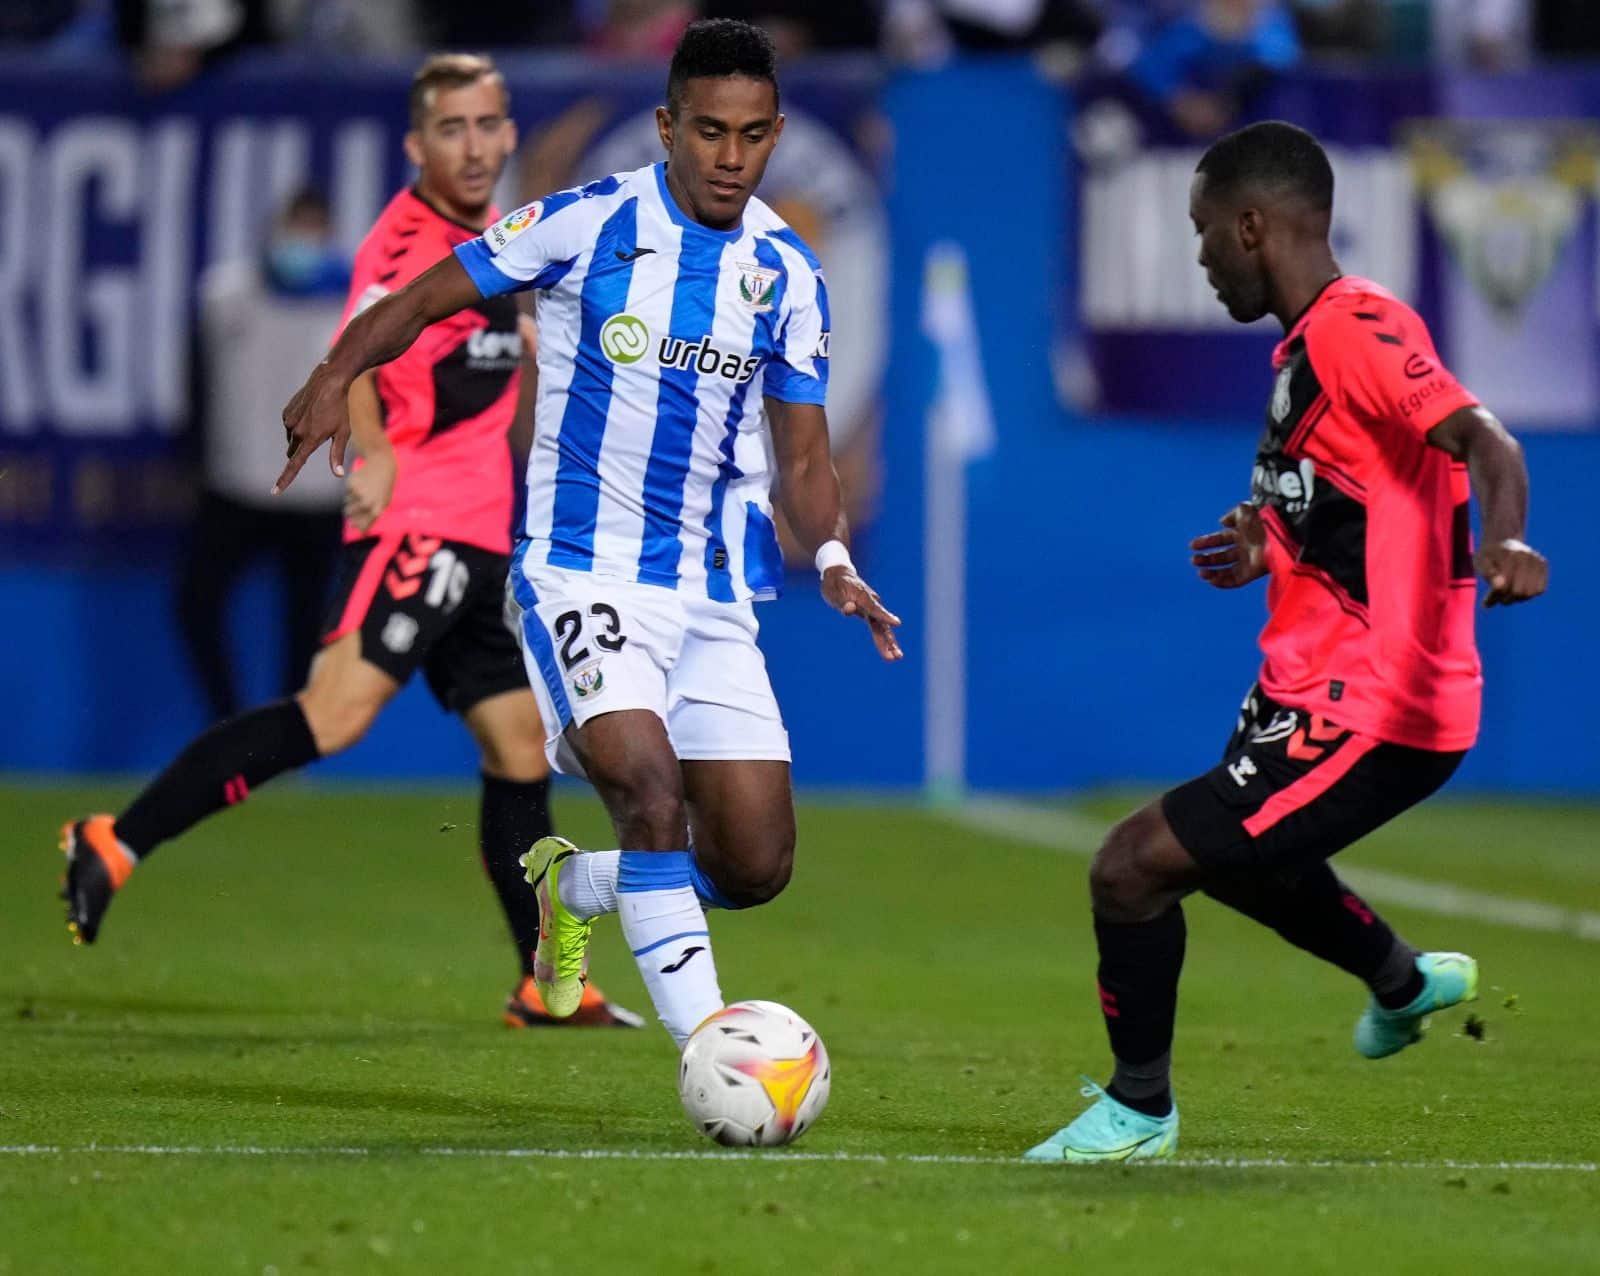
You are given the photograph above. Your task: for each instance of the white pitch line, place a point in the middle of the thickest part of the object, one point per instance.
(777, 1158)
(1078, 834)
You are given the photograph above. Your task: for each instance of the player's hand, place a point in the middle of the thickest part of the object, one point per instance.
(367, 493)
(319, 411)
(1236, 555)
(1516, 572)
(848, 593)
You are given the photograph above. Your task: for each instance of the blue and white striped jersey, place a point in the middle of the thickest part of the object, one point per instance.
(658, 338)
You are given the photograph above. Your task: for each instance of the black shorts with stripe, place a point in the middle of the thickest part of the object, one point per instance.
(438, 604)
(1294, 788)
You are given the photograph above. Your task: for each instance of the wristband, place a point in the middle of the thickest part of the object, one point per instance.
(833, 554)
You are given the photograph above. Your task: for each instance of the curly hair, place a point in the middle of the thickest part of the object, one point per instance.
(720, 47)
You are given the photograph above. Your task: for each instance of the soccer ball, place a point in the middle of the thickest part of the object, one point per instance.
(755, 1074)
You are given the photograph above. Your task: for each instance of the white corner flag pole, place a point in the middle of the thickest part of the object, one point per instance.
(960, 428)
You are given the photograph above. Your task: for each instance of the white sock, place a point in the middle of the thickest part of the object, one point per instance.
(666, 930)
(588, 884)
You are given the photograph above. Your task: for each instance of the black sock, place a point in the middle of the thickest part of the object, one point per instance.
(1319, 913)
(512, 817)
(1139, 967)
(218, 769)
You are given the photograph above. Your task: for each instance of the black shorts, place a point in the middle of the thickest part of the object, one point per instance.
(418, 600)
(1294, 788)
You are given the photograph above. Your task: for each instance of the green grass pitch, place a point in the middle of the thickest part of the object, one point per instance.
(285, 1055)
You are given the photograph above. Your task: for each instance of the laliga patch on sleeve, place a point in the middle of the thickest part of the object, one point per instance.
(511, 225)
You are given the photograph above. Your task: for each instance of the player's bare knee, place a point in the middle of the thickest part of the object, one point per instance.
(1120, 885)
(651, 815)
(519, 758)
(761, 873)
(336, 721)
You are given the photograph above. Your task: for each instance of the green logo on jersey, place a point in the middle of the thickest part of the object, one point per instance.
(624, 339)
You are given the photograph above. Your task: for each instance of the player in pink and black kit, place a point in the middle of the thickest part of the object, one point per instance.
(427, 537)
(1369, 689)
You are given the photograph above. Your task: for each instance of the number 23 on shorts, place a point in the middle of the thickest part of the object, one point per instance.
(573, 634)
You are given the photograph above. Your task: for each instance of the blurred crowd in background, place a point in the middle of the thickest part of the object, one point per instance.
(1166, 46)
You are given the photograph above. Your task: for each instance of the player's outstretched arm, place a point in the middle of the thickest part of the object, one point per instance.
(318, 411)
(808, 494)
(1513, 569)
(1237, 554)
(367, 491)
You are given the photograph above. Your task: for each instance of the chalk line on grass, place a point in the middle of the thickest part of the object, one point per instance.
(246, 1151)
(1074, 833)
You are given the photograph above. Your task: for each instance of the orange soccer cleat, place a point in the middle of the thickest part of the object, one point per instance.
(97, 866)
(525, 1009)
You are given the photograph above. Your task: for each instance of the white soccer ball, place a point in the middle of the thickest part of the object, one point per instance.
(755, 1074)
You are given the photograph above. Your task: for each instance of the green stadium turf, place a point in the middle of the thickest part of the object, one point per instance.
(285, 1055)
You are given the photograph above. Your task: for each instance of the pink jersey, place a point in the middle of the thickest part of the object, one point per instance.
(1369, 544)
(448, 401)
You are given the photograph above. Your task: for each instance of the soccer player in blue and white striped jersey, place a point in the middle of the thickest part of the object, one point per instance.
(683, 369)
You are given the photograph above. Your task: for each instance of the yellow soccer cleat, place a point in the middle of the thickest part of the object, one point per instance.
(560, 961)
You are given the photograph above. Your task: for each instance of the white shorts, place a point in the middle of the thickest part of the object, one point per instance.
(594, 645)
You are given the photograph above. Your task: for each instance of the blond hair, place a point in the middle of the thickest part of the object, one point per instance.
(451, 71)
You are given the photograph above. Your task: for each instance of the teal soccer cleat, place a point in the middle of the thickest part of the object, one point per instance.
(1110, 1131)
(1448, 979)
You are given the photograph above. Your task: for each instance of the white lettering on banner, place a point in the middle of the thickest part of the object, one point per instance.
(288, 164)
(17, 398)
(360, 149)
(89, 158)
(1139, 247)
(163, 328)
(231, 209)
(97, 252)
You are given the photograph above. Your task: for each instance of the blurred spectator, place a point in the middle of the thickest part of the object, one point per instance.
(645, 29)
(1199, 64)
(261, 324)
(380, 28)
(489, 26)
(34, 21)
(1484, 35)
(1351, 27)
(1568, 28)
(800, 26)
(924, 31)
(172, 41)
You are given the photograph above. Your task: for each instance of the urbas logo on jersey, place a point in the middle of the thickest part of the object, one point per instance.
(513, 224)
(625, 339)
(706, 359)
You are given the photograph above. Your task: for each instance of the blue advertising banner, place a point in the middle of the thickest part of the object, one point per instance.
(1474, 199)
(114, 202)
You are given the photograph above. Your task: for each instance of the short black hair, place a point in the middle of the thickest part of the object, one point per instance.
(718, 47)
(306, 201)
(1270, 154)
